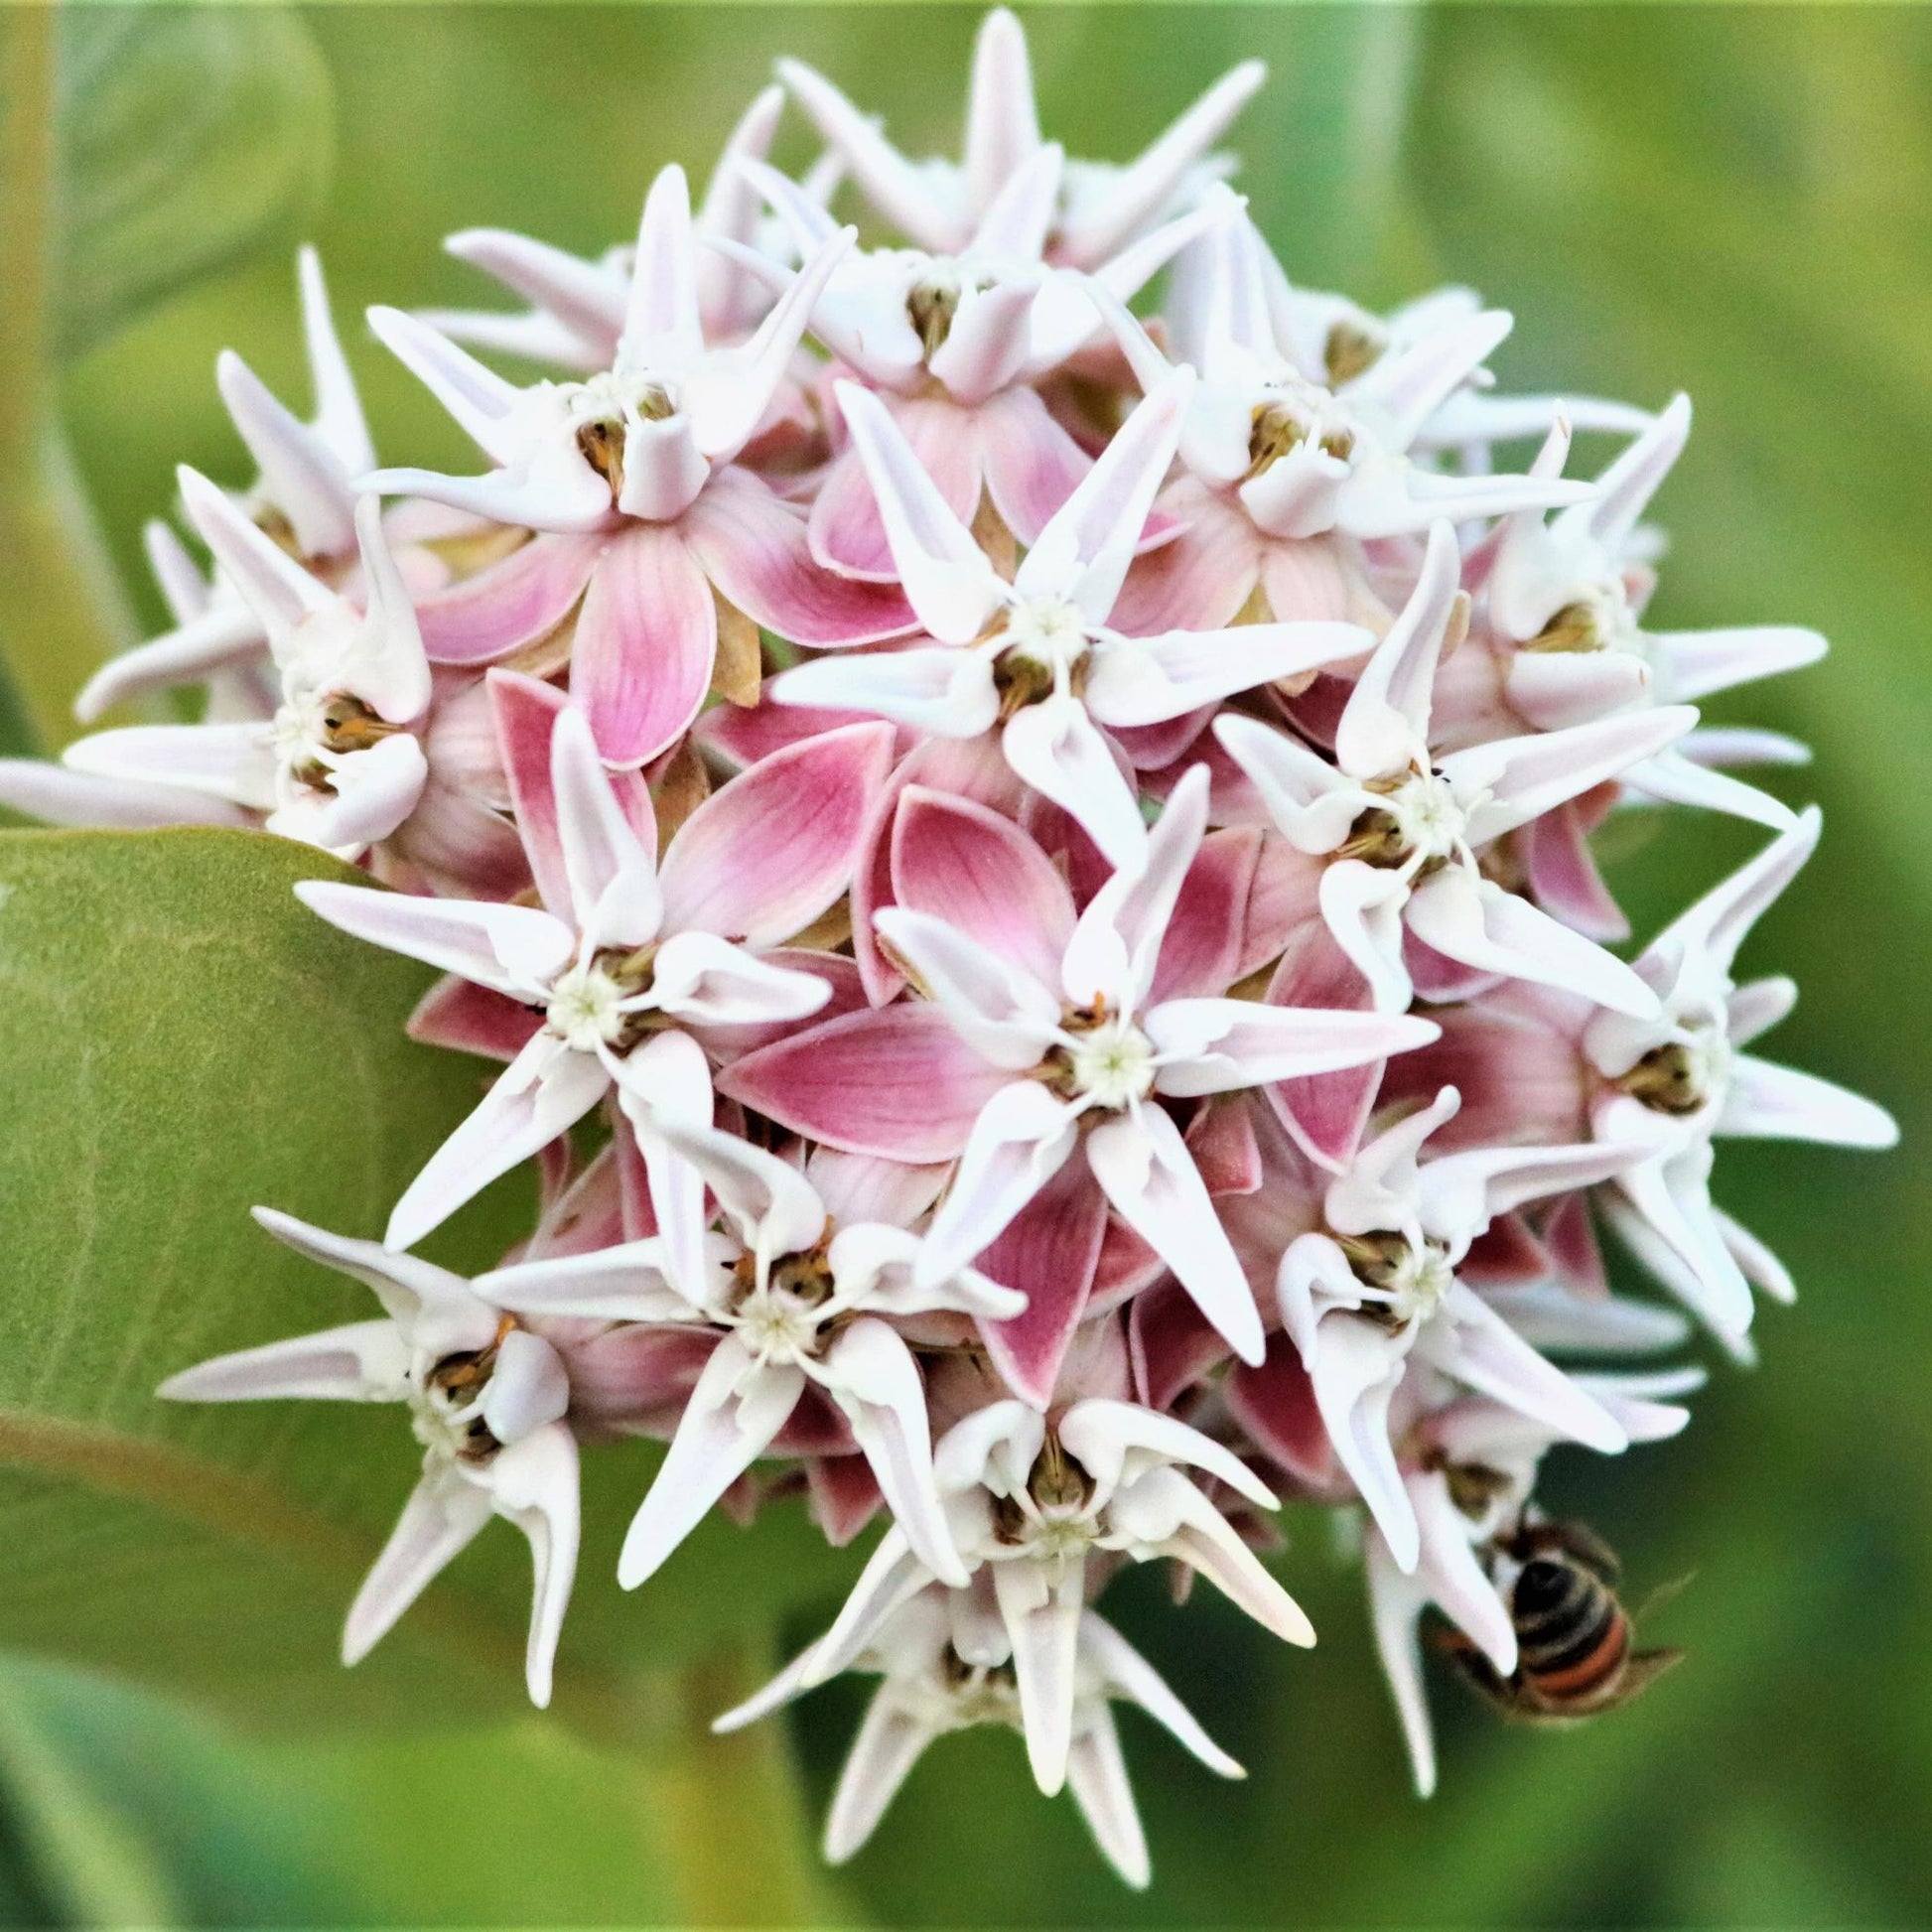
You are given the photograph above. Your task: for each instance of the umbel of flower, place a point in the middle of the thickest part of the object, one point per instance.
(1054, 1041)
(1113, 1020)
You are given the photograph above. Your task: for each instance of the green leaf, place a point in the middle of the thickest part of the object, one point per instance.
(181, 1041)
(188, 137)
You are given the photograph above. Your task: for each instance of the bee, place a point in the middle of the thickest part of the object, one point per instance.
(1574, 1639)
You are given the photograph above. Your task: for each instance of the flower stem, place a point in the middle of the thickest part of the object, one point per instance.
(64, 610)
(730, 1816)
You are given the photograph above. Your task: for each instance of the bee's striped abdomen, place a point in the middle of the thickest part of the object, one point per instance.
(1572, 1633)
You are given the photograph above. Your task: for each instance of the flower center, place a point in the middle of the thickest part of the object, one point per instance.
(1110, 1064)
(600, 408)
(1421, 817)
(780, 1319)
(1681, 1076)
(1043, 646)
(1600, 619)
(586, 1008)
(1403, 1283)
(311, 733)
(1051, 1517)
(446, 1404)
(933, 300)
(1298, 412)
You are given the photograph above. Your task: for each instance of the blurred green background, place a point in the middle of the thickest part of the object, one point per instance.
(1736, 200)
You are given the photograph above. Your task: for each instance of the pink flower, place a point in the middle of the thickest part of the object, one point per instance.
(1399, 828)
(625, 969)
(1043, 1035)
(1035, 658)
(955, 345)
(648, 523)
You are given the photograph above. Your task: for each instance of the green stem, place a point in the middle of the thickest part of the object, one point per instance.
(730, 1817)
(63, 610)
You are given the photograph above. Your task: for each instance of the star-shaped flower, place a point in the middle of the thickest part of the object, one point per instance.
(947, 1666)
(623, 968)
(1048, 1041)
(341, 763)
(1035, 658)
(940, 204)
(630, 474)
(1675, 1082)
(793, 1303)
(1401, 828)
(486, 1399)
(1377, 1288)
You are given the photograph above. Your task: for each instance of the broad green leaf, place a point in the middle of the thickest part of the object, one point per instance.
(182, 1039)
(188, 137)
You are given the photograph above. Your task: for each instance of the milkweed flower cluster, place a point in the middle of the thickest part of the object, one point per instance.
(1029, 870)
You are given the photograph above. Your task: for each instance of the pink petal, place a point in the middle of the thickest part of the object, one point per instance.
(844, 530)
(1564, 875)
(843, 1496)
(1221, 1138)
(1150, 747)
(1570, 1239)
(755, 548)
(471, 1018)
(896, 1082)
(636, 1378)
(1199, 581)
(511, 604)
(763, 858)
(742, 735)
(1033, 465)
(1326, 1112)
(526, 713)
(1275, 1403)
(1201, 954)
(966, 768)
(646, 639)
(1506, 1254)
(1173, 1344)
(1049, 1253)
(961, 862)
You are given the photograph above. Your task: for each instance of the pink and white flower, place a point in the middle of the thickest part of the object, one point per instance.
(795, 1302)
(646, 519)
(1035, 658)
(1044, 1036)
(946, 1666)
(486, 1399)
(940, 203)
(1401, 828)
(1568, 598)
(624, 968)
(1033, 1503)
(1674, 1083)
(341, 763)
(1375, 1292)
